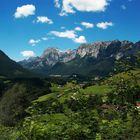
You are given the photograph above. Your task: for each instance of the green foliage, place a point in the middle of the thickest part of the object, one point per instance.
(17, 99)
(2, 87)
(126, 92)
(99, 112)
(85, 116)
(97, 89)
(13, 104)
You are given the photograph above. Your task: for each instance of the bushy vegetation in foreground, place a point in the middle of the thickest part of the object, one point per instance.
(71, 112)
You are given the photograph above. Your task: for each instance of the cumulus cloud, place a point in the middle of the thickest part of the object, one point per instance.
(34, 42)
(78, 29)
(27, 53)
(70, 34)
(25, 11)
(43, 19)
(80, 40)
(87, 25)
(66, 34)
(69, 6)
(104, 25)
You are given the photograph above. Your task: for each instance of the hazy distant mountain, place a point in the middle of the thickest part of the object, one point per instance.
(10, 68)
(97, 58)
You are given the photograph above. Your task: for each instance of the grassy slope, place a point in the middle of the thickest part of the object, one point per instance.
(64, 93)
(126, 75)
(97, 89)
(70, 89)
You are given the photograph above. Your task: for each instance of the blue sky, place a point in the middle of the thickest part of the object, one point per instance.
(28, 27)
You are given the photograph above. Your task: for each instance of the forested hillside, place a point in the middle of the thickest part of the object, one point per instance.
(38, 109)
(9, 68)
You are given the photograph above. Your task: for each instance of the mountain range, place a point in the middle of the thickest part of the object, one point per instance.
(97, 59)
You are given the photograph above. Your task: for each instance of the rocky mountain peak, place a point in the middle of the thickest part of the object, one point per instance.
(50, 51)
(101, 43)
(53, 55)
(94, 49)
(98, 50)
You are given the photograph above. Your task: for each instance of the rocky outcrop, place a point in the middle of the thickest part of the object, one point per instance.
(98, 51)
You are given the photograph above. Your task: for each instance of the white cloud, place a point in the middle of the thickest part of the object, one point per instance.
(25, 11)
(80, 40)
(69, 6)
(70, 34)
(87, 25)
(34, 42)
(104, 25)
(78, 29)
(57, 4)
(27, 53)
(43, 19)
(123, 7)
(66, 34)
